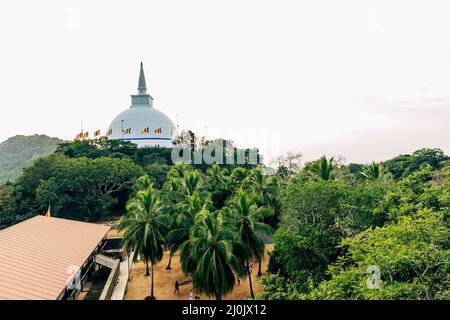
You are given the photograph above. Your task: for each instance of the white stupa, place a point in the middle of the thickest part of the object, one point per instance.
(142, 124)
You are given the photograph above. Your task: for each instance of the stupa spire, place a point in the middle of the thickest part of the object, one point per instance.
(142, 86)
(142, 98)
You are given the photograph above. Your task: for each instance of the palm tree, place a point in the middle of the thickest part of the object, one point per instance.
(373, 171)
(144, 227)
(210, 255)
(238, 177)
(180, 186)
(179, 170)
(142, 183)
(220, 187)
(324, 168)
(172, 194)
(217, 175)
(267, 189)
(183, 222)
(247, 216)
(192, 182)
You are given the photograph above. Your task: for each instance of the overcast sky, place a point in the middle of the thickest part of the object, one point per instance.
(366, 80)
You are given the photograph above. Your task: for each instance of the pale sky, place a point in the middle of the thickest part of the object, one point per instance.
(366, 80)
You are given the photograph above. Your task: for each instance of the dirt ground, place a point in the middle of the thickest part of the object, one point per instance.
(164, 287)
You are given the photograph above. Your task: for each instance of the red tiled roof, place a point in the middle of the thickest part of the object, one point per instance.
(36, 255)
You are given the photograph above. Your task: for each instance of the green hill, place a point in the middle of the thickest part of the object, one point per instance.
(20, 151)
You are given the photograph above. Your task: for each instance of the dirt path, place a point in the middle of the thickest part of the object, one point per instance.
(139, 285)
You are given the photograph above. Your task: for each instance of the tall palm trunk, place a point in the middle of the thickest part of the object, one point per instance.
(250, 281)
(152, 297)
(259, 266)
(170, 260)
(128, 266)
(146, 267)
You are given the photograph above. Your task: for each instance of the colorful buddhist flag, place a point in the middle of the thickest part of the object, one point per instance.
(79, 137)
(49, 213)
(97, 133)
(146, 130)
(109, 132)
(158, 130)
(127, 131)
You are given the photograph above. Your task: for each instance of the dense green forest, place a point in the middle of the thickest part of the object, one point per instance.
(19, 152)
(340, 231)
(88, 180)
(333, 229)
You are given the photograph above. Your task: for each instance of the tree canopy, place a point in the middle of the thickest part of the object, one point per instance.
(363, 239)
(357, 231)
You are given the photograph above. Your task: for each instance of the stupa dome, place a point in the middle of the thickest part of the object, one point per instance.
(142, 124)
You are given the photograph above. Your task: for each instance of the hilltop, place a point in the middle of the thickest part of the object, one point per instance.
(20, 151)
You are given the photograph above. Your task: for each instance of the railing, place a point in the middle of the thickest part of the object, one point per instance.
(114, 265)
(104, 260)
